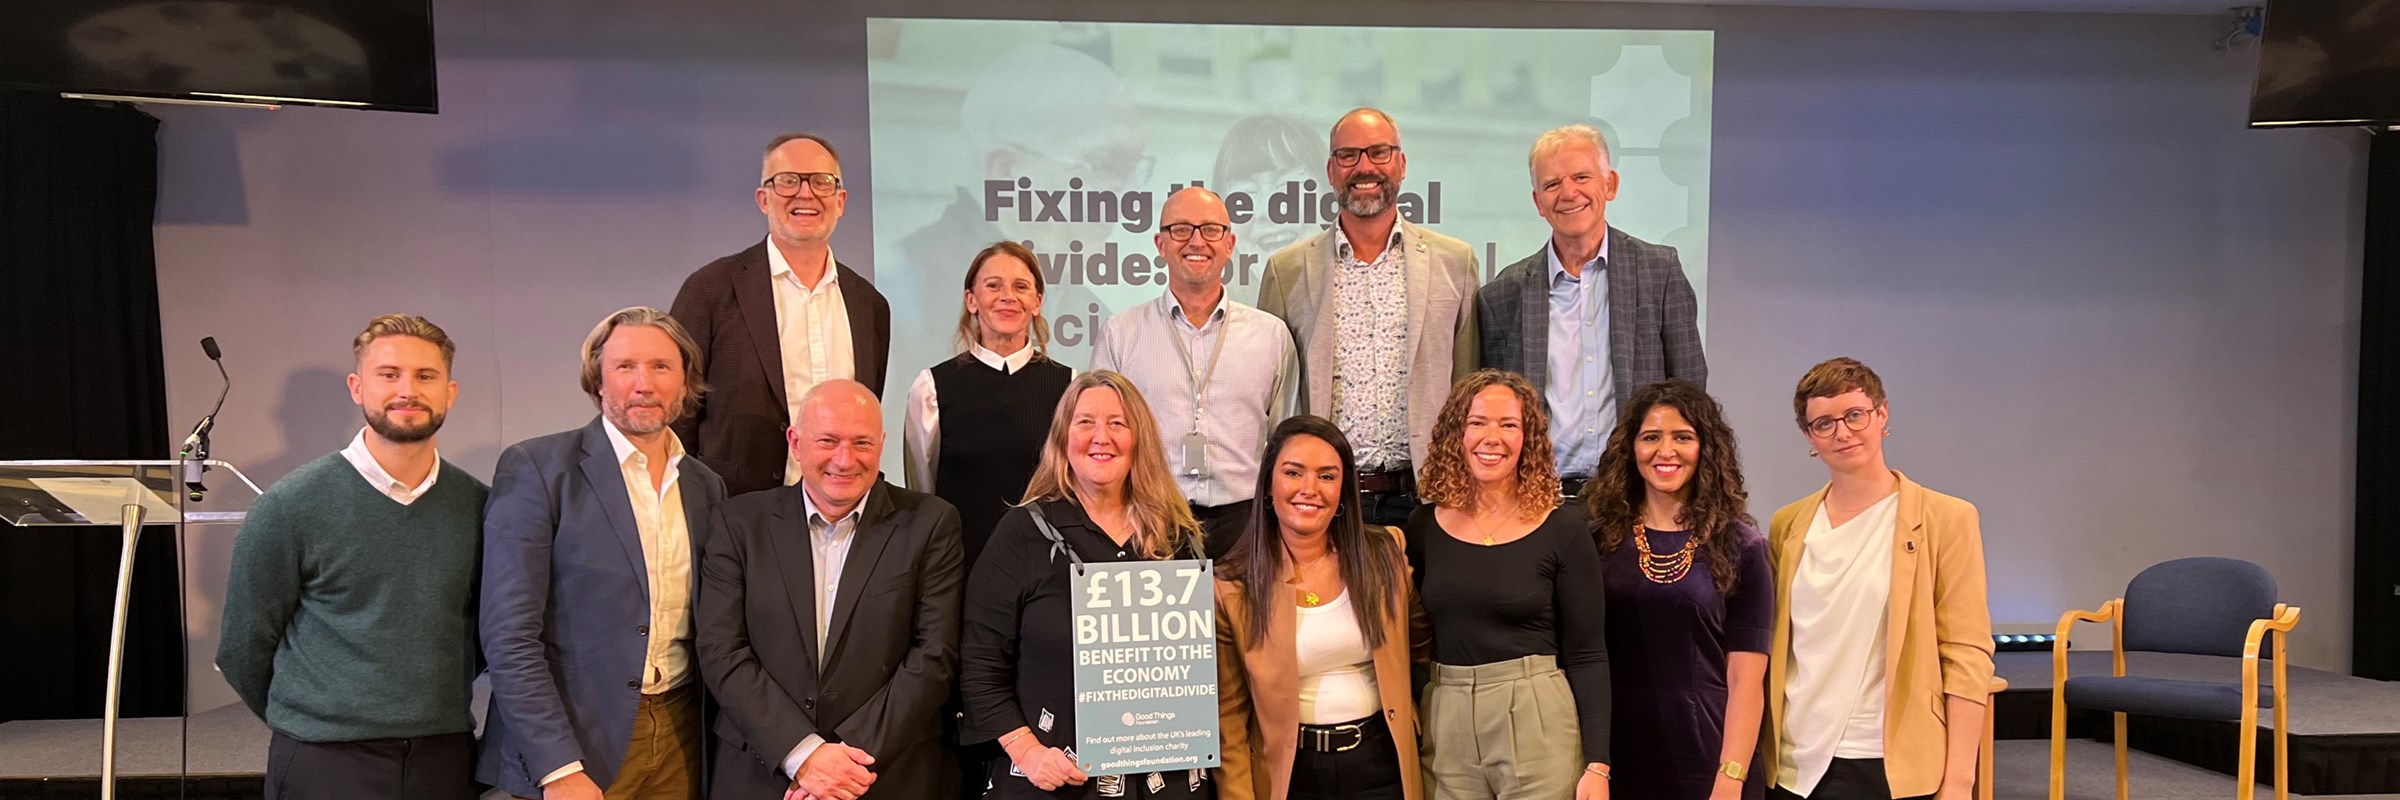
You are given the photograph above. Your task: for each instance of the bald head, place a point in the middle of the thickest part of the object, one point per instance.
(1375, 121)
(1195, 236)
(839, 444)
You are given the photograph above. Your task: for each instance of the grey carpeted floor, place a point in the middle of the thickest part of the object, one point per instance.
(2323, 703)
(2021, 769)
(223, 741)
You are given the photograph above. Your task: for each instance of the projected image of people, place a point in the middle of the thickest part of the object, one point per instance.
(1262, 155)
(1039, 118)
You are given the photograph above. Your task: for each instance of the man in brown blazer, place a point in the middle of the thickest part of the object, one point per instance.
(778, 318)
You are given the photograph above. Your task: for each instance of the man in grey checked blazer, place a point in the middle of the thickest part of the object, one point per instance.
(1545, 314)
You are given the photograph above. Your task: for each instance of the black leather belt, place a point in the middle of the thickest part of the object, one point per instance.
(1393, 480)
(1342, 738)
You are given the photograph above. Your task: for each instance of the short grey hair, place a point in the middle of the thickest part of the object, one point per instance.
(1562, 136)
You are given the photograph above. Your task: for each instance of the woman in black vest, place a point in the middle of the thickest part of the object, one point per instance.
(976, 422)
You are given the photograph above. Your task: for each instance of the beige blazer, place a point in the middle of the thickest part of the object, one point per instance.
(1258, 690)
(1441, 347)
(1938, 630)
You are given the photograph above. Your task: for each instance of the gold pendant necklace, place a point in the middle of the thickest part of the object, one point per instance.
(1663, 569)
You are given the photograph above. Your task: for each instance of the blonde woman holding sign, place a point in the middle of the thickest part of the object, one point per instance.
(1103, 488)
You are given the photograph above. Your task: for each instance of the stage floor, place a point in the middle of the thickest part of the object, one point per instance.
(2344, 730)
(224, 741)
(2323, 703)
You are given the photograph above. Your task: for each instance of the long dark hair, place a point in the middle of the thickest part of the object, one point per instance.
(1369, 559)
(1613, 501)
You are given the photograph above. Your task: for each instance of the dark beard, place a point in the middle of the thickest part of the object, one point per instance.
(383, 426)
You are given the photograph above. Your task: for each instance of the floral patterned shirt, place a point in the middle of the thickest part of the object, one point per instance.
(1370, 362)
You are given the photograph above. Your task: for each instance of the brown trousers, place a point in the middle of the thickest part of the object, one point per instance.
(662, 762)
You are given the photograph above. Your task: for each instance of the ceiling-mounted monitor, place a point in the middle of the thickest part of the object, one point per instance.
(2328, 62)
(374, 54)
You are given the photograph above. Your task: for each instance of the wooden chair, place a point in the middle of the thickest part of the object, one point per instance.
(2190, 605)
(1983, 766)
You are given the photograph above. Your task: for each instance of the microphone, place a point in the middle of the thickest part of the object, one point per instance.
(195, 446)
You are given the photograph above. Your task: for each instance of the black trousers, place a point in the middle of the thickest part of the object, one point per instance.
(1845, 779)
(424, 768)
(1221, 526)
(1370, 771)
(1387, 508)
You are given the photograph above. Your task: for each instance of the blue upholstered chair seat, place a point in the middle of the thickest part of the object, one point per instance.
(2163, 697)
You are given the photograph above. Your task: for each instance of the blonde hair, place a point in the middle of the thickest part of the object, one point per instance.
(409, 325)
(970, 329)
(1162, 520)
(1444, 480)
(647, 317)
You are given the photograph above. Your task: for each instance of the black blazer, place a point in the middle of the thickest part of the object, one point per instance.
(892, 646)
(729, 307)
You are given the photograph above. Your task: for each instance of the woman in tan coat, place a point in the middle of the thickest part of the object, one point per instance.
(1879, 671)
(1314, 640)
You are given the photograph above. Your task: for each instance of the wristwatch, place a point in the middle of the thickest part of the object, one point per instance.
(1734, 770)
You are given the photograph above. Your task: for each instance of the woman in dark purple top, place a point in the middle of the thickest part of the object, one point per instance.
(1691, 599)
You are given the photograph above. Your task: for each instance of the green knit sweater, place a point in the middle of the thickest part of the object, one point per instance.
(350, 616)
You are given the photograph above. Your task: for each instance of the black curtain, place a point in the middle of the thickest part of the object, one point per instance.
(80, 335)
(2375, 621)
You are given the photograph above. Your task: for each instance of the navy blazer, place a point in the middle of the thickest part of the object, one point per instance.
(566, 606)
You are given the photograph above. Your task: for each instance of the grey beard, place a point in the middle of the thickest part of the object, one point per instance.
(1365, 205)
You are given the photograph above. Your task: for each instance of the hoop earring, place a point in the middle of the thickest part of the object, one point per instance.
(1812, 452)
(1887, 431)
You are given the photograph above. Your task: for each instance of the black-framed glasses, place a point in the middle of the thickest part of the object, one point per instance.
(1855, 419)
(1182, 231)
(787, 184)
(1378, 154)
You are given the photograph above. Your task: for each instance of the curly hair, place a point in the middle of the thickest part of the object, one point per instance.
(1163, 524)
(1444, 480)
(1715, 505)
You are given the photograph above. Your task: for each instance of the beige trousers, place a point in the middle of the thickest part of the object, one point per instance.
(1501, 731)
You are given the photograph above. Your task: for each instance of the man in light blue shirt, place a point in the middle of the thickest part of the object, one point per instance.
(1593, 316)
(1218, 374)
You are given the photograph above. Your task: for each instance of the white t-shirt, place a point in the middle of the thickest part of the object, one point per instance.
(1337, 671)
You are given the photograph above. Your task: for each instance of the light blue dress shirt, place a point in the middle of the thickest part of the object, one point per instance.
(1582, 391)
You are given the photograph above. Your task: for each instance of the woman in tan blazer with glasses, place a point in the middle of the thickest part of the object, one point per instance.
(1879, 674)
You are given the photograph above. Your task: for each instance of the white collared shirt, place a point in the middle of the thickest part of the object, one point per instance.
(363, 460)
(921, 428)
(829, 550)
(812, 329)
(667, 552)
(667, 555)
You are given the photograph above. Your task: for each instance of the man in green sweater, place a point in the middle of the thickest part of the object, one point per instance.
(350, 610)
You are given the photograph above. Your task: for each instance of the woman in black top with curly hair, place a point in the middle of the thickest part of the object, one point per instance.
(1518, 707)
(1691, 598)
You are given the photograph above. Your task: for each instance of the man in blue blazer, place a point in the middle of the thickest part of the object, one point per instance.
(1588, 341)
(591, 544)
